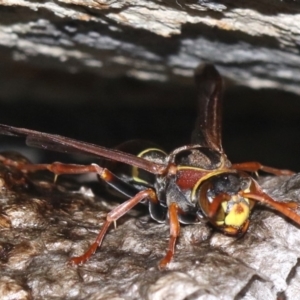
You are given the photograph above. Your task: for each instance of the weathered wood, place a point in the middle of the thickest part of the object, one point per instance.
(43, 225)
(255, 43)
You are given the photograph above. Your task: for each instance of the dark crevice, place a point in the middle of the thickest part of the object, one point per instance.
(247, 287)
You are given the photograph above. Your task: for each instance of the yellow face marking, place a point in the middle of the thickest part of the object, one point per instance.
(224, 205)
(238, 214)
(220, 223)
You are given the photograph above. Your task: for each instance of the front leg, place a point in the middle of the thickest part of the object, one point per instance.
(288, 209)
(254, 166)
(174, 233)
(113, 216)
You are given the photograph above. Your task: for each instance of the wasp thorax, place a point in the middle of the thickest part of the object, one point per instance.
(221, 203)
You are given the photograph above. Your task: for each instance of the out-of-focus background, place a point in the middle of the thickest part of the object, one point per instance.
(110, 71)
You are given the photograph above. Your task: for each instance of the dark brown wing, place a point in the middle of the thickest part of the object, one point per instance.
(208, 130)
(64, 144)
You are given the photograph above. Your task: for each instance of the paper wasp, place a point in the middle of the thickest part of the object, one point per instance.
(193, 183)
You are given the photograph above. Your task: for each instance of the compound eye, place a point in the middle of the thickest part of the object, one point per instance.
(210, 204)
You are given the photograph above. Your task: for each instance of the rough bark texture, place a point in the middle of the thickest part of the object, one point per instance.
(255, 43)
(52, 50)
(44, 224)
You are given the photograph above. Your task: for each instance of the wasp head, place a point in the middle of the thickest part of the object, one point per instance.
(220, 199)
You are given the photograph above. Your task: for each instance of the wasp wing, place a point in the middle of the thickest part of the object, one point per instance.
(208, 129)
(64, 144)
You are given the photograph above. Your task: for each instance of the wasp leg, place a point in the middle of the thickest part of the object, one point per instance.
(56, 168)
(286, 208)
(111, 179)
(174, 233)
(60, 169)
(254, 166)
(113, 216)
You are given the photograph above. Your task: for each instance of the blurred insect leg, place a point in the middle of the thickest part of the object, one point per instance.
(112, 216)
(286, 208)
(254, 166)
(110, 178)
(174, 233)
(60, 169)
(57, 168)
(26, 167)
(118, 184)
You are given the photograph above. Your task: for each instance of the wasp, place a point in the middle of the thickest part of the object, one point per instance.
(193, 183)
